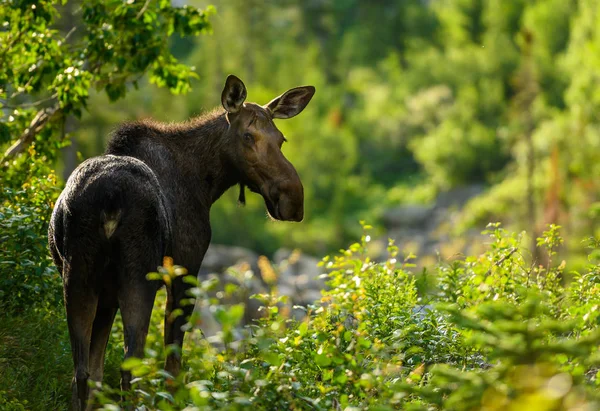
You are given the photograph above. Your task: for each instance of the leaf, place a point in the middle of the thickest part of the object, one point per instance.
(131, 363)
(322, 360)
(153, 276)
(303, 328)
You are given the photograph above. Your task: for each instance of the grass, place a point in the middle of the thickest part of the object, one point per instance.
(35, 361)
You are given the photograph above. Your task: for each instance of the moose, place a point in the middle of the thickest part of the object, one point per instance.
(149, 196)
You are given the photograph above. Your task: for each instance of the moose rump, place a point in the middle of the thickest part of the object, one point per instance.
(109, 229)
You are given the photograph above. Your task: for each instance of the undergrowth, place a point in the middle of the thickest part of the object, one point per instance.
(491, 332)
(496, 333)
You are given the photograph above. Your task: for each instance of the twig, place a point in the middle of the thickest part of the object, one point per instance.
(500, 261)
(70, 33)
(16, 93)
(37, 103)
(143, 9)
(28, 104)
(36, 125)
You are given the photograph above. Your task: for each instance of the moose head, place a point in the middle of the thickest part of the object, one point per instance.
(256, 147)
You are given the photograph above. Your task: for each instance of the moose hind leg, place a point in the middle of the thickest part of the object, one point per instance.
(80, 303)
(136, 301)
(105, 315)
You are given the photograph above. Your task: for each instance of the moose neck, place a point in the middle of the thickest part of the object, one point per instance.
(204, 157)
(190, 159)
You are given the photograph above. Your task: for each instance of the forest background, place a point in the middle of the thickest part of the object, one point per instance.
(414, 98)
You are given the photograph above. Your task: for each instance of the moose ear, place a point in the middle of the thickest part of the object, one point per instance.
(290, 103)
(234, 94)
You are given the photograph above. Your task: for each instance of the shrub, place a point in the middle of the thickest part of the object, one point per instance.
(28, 279)
(495, 334)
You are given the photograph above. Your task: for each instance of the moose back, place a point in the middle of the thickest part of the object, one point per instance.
(149, 197)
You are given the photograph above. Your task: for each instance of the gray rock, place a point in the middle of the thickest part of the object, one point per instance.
(310, 296)
(297, 278)
(298, 274)
(458, 197)
(219, 258)
(408, 216)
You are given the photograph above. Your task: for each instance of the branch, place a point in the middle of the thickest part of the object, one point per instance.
(16, 93)
(143, 9)
(6, 104)
(500, 261)
(10, 45)
(69, 34)
(36, 125)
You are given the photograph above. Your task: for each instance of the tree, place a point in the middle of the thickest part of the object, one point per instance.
(46, 74)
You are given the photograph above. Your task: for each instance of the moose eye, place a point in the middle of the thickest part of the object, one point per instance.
(249, 138)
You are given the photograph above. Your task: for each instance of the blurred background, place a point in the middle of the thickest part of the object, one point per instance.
(431, 117)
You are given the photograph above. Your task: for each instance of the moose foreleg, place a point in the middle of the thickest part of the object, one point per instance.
(136, 302)
(173, 326)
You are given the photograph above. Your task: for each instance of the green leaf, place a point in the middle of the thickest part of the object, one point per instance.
(131, 363)
(303, 328)
(322, 360)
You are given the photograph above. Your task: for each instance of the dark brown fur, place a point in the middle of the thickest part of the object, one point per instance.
(148, 197)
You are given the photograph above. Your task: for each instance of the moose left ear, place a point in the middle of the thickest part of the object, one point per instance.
(233, 95)
(290, 103)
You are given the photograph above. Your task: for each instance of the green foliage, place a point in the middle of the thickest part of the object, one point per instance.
(28, 279)
(35, 360)
(494, 334)
(53, 52)
(412, 94)
(412, 97)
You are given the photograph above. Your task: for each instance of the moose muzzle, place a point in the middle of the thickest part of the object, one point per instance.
(285, 199)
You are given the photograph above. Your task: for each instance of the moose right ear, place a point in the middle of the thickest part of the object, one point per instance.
(234, 94)
(290, 103)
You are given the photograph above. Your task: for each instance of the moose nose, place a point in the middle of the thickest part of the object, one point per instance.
(290, 205)
(299, 215)
(290, 209)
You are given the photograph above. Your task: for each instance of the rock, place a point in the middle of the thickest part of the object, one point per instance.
(287, 289)
(248, 285)
(297, 278)
(458, 197)
(298, 274)
(408, 216)
(425, 230)
(219, 258)
(222, 258)
(310, 297)
(208, 323)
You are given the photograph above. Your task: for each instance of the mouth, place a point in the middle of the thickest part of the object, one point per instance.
(272, 209)
(278, 206)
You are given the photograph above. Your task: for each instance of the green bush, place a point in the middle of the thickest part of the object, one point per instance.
(496, 333)
(28, 278)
